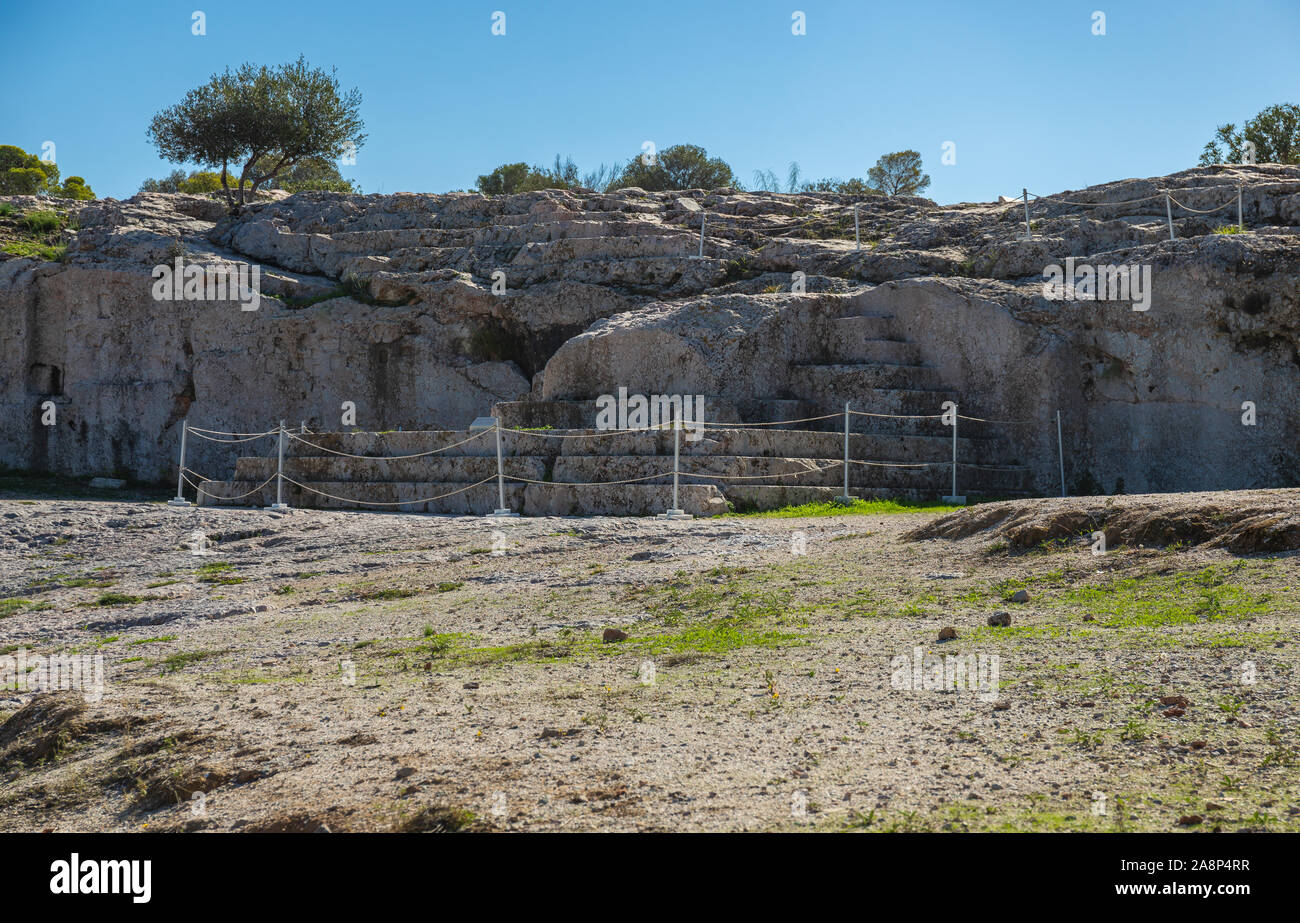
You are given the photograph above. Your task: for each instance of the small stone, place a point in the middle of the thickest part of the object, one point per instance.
(470, 685)
(1000, 620)
(1174, 712)
(947, 633)
(1020, 596)
(1198, 745)
(1190, 820)
(1090, 618)
(613, 635)
(1211, 806)
(1001, 705)
(405, 772)
(1179, 700)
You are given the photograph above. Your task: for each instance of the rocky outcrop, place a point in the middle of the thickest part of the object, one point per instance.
(424, 311)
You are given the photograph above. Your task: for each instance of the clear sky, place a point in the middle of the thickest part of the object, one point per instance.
(1023, 88)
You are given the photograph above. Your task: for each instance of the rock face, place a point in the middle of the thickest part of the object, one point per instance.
(424, 311)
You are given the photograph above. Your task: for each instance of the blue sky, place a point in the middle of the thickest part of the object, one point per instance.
(1029, 96)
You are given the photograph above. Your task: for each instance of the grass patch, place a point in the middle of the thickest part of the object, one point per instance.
(36, 250)
(1188, 598)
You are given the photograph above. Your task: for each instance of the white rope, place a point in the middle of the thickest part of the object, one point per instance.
(392, 502)
(386, 457)
(648, 477)
(590, 435)
(756, 477)
(896, 416)
(869, 464)
(982, 420)
(215, 439)
(204, 490)
(1197, 211)
(769, 423)
(217, 432)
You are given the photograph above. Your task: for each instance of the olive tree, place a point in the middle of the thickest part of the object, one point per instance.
(257, 123)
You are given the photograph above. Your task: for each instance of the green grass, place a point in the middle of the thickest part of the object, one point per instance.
(7, 210)
(42, 222)
(117, 599)
(10, 607)
(1229, 229)
(856, 508)
(35, 250)
(218, 573)
(1187, 598)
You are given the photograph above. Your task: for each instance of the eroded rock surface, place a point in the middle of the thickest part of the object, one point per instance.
(389, 302)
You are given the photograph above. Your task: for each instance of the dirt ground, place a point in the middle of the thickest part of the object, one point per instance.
(361, 671)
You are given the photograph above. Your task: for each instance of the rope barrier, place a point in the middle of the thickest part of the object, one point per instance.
(1196, 211)
(214, 496)
(391, 502)
(387, 457)
(217, 432)
(648, 477)
(982, 420)
(826, 416)
(250, 438)
(895, 416)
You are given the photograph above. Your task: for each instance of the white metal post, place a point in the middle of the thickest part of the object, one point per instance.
(1060, 451)
(279, 503)
(675, 511)
(846, 499)
(501, 511)
(1169, 213)
(703, 218)
(180, 471)
(857, 238)
(1241, 224)
(954, 497)
(1028, 231)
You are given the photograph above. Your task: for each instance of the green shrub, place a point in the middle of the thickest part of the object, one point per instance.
(42, 222)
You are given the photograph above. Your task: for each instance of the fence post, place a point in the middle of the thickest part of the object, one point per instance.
(1028, 231)
(180, 471)
(279, 503)
(1169, 213)
(1060, 451)
(857, 238)
(704, 216)
(676, 512)
(846, 499)
(954, 498)
(1241, 224)
(501, 512)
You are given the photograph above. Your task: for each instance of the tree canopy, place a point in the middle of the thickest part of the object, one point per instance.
(22, 173)
(899, 173)
(682, 166)
(262, 121)
(1275, 132)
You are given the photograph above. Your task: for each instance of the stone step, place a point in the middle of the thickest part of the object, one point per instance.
(864, 327)
(530, 499)
(878, 352)
(835, 383)
(463, 469)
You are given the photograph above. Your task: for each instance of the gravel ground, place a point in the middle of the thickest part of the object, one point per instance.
(364, 671)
